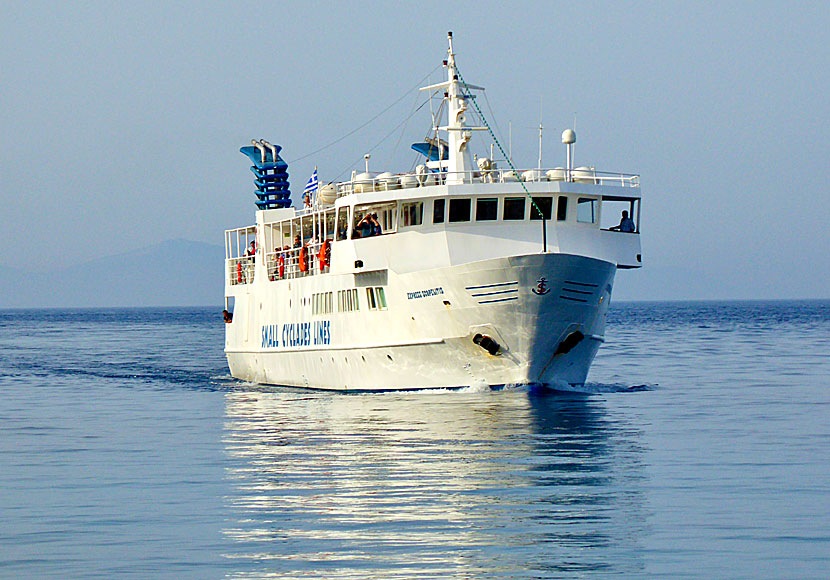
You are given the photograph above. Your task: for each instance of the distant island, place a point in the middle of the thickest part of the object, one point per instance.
(172, 273)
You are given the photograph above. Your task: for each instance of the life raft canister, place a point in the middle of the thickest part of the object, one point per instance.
(282, 266)
(303, 259)
(239, 272)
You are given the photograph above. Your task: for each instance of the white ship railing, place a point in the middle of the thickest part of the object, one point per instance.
(240, 264)
(240, 270)
(279, 264)
(286, 264)
(413, 180)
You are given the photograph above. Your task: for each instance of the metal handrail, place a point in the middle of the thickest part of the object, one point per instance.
(291, 262)
(241, 270)
(534, 175)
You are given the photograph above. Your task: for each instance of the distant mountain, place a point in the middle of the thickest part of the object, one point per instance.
(172, 273)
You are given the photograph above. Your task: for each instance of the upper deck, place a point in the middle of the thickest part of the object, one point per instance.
(434, 224)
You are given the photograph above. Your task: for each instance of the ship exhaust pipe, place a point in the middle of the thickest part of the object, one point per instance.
(260, 147)
(271, 148)
(487, 344)
(570, 341)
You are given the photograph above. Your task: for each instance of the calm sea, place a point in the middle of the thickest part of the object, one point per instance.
(700, 449)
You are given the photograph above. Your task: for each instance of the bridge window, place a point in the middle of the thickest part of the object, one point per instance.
(438, 211)
(612, 210)
(460, 210)
(487, 209)
(374, 219)
(586, 210)
(544, 204)
(412, 213)
(562, 208)
(514, 208)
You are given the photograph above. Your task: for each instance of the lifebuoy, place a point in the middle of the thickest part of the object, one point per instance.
(303, 259)
(239, 272)
(282, 266)
(325, 254)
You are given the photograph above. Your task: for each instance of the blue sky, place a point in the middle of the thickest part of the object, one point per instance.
(121, 122)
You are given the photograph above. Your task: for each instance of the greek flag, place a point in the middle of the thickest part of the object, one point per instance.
(310, 188)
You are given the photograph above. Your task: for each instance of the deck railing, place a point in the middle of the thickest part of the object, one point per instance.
(279, 264)
(288, 264)
(413, 180)
(240, 270)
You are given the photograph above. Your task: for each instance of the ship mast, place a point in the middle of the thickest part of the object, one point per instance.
(460, 160)
(459, 164)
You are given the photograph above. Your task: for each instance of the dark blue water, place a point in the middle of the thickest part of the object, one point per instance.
(700, 449)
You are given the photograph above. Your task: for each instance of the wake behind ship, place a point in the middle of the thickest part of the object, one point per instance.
(460, 273)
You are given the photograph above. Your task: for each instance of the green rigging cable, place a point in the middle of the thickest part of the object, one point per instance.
(509, 162)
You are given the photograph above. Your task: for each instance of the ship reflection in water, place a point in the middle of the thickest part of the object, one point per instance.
(445, 484)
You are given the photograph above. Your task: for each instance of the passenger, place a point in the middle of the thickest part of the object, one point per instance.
(297, 242)
(227, 316)
(365, 228)
(376, 229)
(626, 224)
(252, 249)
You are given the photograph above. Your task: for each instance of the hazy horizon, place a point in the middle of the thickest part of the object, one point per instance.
(122, 123)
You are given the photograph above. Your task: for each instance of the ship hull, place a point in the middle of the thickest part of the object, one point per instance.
(542, 317)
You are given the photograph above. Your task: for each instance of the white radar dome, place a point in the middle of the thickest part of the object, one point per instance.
(568, 136)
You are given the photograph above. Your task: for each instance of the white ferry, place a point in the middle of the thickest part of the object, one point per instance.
(462, 273)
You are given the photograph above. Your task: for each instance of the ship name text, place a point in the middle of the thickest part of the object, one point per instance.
(296, 334)
(424, 293)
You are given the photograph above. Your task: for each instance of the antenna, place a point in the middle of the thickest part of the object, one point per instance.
(540, 135)
(366, 159)
(569, 138)
(510, 140)
(573, 146)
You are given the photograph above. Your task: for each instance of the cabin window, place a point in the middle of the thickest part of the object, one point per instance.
(412, 213)
(544, 204)
(487, 209)
(460, 210)
(586, 210)
(307, 228)
(514, 208)
(388, 214)
(374, 219)
(342, 223)
(562, 208)
(376, 298)
(347, 300)
(328, 225)
(321, 303)
(438, 211)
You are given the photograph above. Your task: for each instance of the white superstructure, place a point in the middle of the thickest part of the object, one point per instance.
(470, 274)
